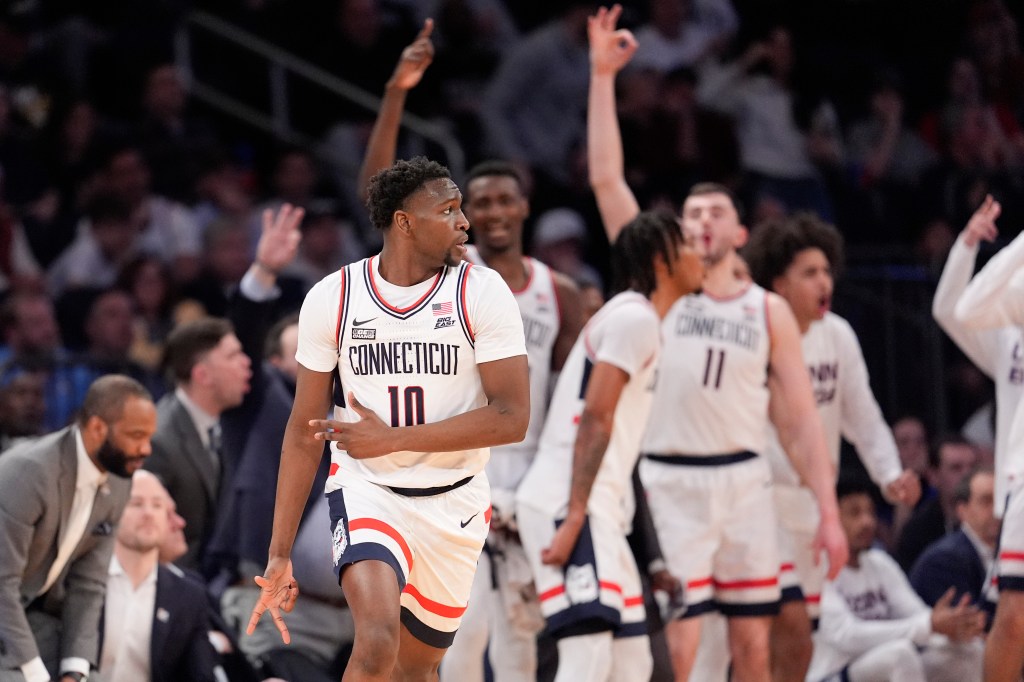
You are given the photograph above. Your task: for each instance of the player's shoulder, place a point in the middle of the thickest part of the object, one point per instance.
(629, 311)
(480, 277)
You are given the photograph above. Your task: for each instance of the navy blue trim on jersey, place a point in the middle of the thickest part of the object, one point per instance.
(738, 610)
(702, 460)
(588, 367)
(425, 633)
(792, 593)
(406, 313)
(698, 609)
(1014, 583)
(337, 389)
(637, 629)
(364, 551)
(460, 293)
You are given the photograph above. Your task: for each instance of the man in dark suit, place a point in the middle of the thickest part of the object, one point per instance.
(211, 366)
(59, 507)
(961, 558)
(155, 619)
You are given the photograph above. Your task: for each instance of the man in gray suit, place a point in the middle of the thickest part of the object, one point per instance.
(59, 507)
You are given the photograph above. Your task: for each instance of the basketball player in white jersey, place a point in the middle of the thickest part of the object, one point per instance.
(426, 357)
(575, 506)
(998, 349)
(503, 617)
(727, 351)
(994, 300)
(796, 258)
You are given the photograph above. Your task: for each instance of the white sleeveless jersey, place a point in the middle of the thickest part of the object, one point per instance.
(624, 333)
(538, 306)
(712, 395)
(410, 354)
(847, 407)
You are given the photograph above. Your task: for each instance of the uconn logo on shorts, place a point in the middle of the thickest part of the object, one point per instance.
(340, 541)
(581, 584)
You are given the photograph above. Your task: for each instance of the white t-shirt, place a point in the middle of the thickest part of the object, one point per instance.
(864, 608)
(848, 409)
(538, 306)
(991, 334)
(625, 333)
(410, 354)
(713, 399)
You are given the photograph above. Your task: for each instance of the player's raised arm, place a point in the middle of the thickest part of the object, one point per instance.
(993, 298)
(380, 152)
(799, 426)
(610, 51)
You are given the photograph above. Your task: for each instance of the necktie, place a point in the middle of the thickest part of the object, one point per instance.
(214, 446)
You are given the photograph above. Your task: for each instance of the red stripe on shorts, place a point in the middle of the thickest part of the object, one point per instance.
(334, 468)
(813, 598)
(380, 526)
(1012, 556)
(694, 584)
(747, 584)
(633, 601)
(433, 606)
(552, 593)
(786, 567)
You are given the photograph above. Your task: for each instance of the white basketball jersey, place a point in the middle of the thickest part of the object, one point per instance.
(1009, 380)
(412, 361)
(712, 397)
(624, 333)
(538, 305)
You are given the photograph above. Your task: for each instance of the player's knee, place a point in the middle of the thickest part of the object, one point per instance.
(375, 649)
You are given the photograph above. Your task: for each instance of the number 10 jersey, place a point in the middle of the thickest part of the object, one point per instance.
(410, 355)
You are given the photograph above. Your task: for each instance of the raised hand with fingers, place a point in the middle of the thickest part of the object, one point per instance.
(982, 225)
(610, 49)
(278, 593)
(279, 240)
(415, 59)
(363, 439)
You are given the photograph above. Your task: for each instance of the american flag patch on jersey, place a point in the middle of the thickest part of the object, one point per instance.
(442, 308)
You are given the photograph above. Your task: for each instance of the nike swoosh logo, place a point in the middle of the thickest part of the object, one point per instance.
(467, 521)
(360, 323)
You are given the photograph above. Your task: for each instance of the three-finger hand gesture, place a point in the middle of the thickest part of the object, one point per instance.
(279, 240)
(278, 593)
(363, 439)
(982, 225)
(610, 49)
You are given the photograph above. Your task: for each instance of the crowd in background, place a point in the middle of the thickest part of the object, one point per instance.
(128, 210)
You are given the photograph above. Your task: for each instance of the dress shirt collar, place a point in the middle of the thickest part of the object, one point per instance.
(986, 553)
(203, 420)
(88, 474)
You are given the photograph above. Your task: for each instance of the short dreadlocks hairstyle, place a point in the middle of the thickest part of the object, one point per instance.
(774, 244)
(650, 234)
(390, 187)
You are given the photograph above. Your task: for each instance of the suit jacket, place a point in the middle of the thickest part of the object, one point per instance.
(187, 469)
(926, 525)
(180, 649)
(37, 486)
(950, 561)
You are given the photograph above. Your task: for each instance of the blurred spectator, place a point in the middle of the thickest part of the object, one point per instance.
(106, 241)
(684, 32)
(874, 627)
(328, 243)
(158, 308)
(534, 107)
(962, 558)
(887, 160)
(994, 39)
(558, 241)
(911, 438)
(22, 403)
(110, 334)
(168, 229)
(18, 265)
(154, 620)
(950, 459)
(591, 296)
(173, 141)
(31, 339)
(783, 139)
(211, 374)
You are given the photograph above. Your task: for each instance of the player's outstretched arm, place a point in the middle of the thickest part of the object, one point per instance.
(799, 426)
(610, 51)
(380, 152)
(602, 397)
(300, 457)
(993, 298)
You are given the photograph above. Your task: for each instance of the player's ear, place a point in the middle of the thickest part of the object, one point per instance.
(740, 238)
(403, 221)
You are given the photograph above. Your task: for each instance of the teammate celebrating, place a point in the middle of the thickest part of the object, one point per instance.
(796, 258)
(576, 503)
(728, 350)
(502, 607)
(428, 362)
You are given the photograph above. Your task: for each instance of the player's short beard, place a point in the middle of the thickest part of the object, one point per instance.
(113, 459)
